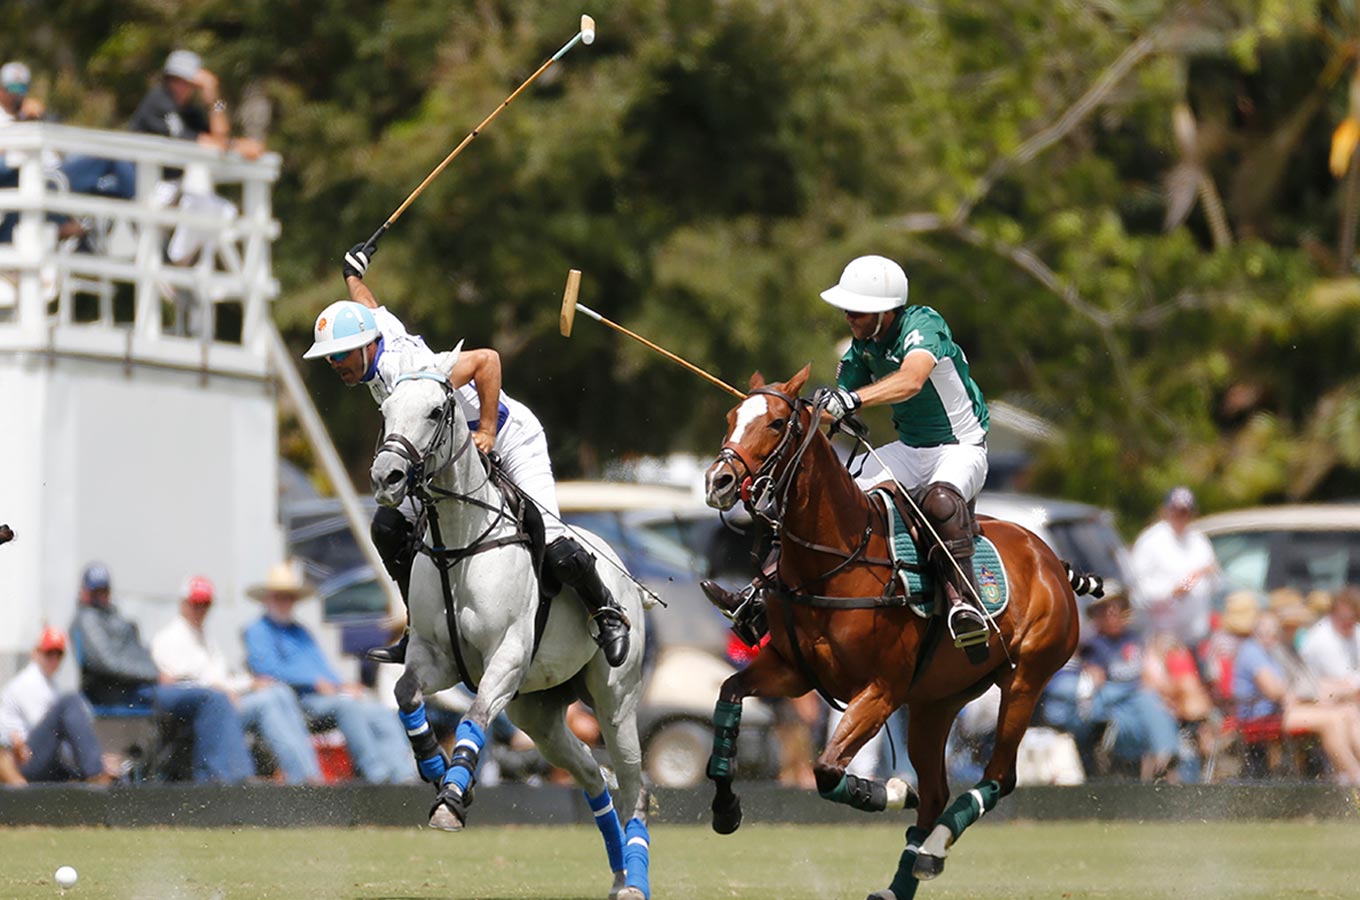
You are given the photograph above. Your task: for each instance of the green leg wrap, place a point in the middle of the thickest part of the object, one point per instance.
(904, 883)
(860, 793)
(722, 763)
(968, 807)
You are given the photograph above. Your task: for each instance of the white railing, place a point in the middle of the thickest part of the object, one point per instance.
(177, 276)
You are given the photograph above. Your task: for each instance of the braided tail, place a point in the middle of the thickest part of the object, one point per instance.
(1085, 584)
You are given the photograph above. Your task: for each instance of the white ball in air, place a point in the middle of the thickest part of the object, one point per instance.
(66, 876)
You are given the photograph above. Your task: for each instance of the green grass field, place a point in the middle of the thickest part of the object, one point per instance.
(1000, 860)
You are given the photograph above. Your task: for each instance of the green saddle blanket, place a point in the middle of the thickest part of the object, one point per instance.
(919, 582)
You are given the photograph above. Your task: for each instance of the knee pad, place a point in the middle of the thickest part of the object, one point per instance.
(569, 560)
(391, 533)
(942, 502)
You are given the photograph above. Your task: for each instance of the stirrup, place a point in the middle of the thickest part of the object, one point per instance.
(969, 631)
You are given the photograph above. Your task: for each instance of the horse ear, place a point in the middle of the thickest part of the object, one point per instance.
(794, 386)
(446, 361)
(757, 380)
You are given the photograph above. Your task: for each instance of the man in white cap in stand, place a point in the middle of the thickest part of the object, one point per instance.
(172, 108)
(905, 356)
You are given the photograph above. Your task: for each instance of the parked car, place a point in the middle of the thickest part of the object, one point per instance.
(1308, 547)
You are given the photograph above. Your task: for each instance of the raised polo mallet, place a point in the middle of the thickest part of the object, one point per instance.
(570, 307)
(585, 36)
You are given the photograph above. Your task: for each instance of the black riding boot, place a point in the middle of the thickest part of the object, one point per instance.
(746, 609)
(391, 534)
(575, 566)
(953, 521)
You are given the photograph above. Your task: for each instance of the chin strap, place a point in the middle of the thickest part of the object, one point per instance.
(878, 326)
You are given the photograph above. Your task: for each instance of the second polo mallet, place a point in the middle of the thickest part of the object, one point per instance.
(585, 36)
(570, 307)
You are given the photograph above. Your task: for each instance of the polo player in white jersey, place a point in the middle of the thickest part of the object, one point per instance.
(366, 344)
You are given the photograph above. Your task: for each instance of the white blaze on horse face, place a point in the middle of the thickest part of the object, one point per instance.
(751, 410)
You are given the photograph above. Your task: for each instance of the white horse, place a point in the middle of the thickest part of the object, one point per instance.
(489, 584)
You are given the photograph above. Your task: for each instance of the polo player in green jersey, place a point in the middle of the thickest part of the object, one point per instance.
(905, 356)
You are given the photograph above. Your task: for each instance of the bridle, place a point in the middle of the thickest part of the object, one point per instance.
(417, 478)
(759, 480)
(766, 487)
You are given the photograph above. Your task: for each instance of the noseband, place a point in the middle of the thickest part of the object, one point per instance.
(417, 479)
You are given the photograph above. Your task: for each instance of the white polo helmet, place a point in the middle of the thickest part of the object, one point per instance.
(870, 284)
(343, 326)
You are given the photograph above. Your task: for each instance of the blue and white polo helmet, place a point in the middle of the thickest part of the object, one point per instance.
(343, 326)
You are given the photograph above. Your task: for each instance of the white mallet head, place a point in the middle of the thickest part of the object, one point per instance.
(587, 30)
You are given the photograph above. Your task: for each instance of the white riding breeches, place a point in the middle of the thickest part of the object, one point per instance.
(962, 465)
(529, 466)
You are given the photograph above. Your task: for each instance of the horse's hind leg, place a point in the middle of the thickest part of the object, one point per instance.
(1018, 700)
(768, 675)
(864, 716)
(616, 710)
(926, 735)
(543, 717)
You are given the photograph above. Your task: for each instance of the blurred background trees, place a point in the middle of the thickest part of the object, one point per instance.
(1139, 216)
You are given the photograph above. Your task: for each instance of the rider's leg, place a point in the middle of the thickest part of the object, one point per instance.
(529, 467)
(575, 566)
(948, 513)
(391, 532)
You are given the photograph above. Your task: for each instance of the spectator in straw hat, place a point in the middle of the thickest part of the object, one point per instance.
(184, 652)
(46, 735)
(280, 648)
(1331, 648)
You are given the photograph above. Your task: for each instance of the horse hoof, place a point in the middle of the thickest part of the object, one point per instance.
(927, 867)
(444, 819)
(885, 894)
(628, 893)
(728, 820)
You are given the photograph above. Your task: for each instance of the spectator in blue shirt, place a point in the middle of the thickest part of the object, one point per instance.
(1261, 687)
(279, 647)
(1144, 729)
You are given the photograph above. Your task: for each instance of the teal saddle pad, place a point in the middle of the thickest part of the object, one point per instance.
(919, 582)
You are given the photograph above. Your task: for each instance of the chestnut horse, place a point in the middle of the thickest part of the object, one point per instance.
(839, 625)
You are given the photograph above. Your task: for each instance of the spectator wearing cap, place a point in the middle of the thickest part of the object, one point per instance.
(187, 104)
(1115, 664)
(1331, 647)
(1262, 688)
(281, 648)
(15, 103)
(1175, 572)
(117, 670)
(46, 735)
(184, 653)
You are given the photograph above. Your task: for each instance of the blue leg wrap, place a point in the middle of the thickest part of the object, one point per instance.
(637, 856)
(607, 820)
(429, 758)
(466, 754)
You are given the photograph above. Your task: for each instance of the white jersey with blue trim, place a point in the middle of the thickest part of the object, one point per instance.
(404, 352)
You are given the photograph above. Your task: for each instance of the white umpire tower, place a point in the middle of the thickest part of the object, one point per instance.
(138, 421)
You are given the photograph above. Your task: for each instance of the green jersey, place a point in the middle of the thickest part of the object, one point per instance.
(949, 408)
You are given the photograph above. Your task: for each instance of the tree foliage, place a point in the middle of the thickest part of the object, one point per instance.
(1124, 208)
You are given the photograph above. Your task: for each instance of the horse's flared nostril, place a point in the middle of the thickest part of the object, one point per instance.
(723, 482)
(395, 477)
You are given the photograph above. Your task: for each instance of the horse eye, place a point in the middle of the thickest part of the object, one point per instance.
(778, 424)
(435, 414)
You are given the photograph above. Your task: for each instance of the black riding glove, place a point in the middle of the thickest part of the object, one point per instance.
(357, 259)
